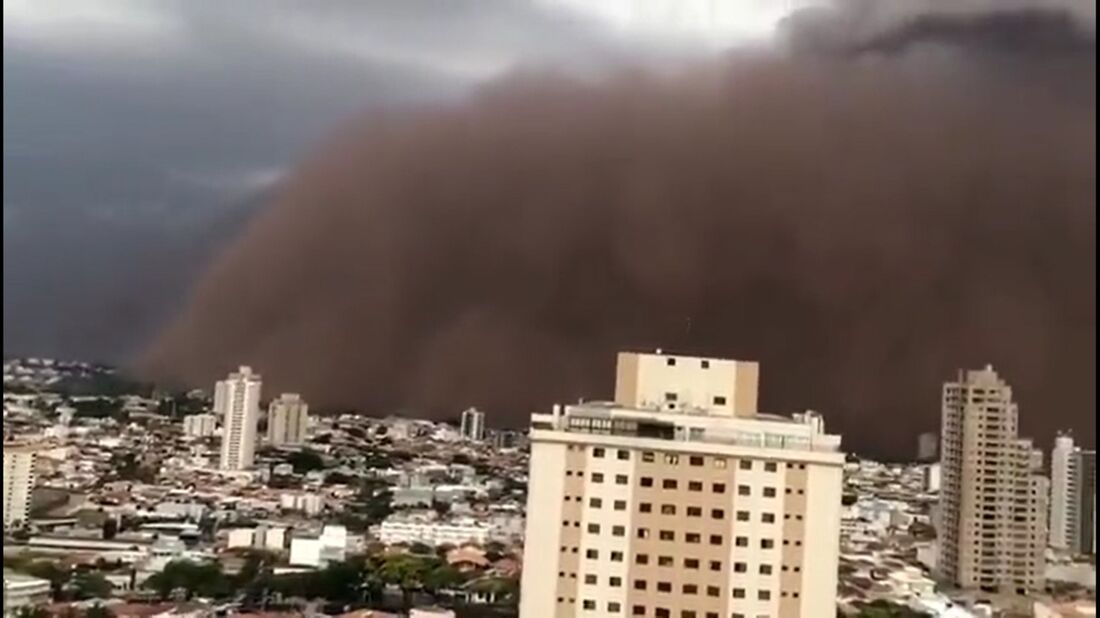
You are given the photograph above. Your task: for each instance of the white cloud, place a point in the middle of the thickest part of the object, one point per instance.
(89, 25)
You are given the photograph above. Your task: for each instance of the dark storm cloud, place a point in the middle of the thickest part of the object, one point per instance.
(862, 223)
(134, 132)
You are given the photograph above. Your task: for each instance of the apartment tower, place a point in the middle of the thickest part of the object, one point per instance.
(19, 477)
(287, 420)
(680, 499)
(1072, 497)
(200, 425)
(993, 500)
(473, 424)
(237, 400)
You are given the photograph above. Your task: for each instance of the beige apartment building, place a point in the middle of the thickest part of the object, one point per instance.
(19, 479)
(700, 509)
(993, 500)
(287, 420)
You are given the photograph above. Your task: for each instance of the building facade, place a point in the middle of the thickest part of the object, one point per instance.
(687, 510)
(473, 425)
(287, 420)
(1072, 497)
(992, 526)
(237, 401)
(927, 447)
(200, 425)
(19, 478)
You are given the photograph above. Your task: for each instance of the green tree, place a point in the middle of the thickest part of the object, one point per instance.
(91, 585)
(194, 579)
(305, 460)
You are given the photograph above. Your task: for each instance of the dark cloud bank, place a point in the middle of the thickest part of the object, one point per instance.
(863, 215)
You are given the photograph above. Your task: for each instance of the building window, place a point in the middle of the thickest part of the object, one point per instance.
(614, 607)
(645, 507)
(616, 556)
(738, 593)
(695, 486)
(745, 464)
(662, 612)
(691, 563)
(717, 514)
(692, 537)
(618, 530)
(694, 511)
(641, 559)
(672, 460)
(590, 579)
(646, 481)
(593, 528)
(742, 516)
(695, 460)
(769, 492)
(715, 565)
(639, 584)
(589, 604)
(623, 455)
(643, 533)
(690, 589)
(648, 456)
(668, 509)
(768, 518)
(671, 362)
(595, 503)
(716, 539)
(591, 554)
(719, 488)
(620, 505)
(720, 463)
(719, 400)
(621, 479)
(597, 452)
(664, 587)
(741, 541)
(670, 396)
(597, 477)
(765, 569)
(740, 567)
(766, 543)
(705, 364)
(764, 595)
(743, 490)
(615, 582)
(669, 484)
(664, 561)
(667, 535)
(713, 591)
(770, 466)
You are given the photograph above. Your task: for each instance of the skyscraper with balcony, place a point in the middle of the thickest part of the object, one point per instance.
(237, 400)
(1072, 497)
(680, 499)
(19, 478)
(992, 526)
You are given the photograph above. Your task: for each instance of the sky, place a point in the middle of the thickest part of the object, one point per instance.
(140, 136)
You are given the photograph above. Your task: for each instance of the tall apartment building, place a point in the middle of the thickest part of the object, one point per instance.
(927, 447)
(1072, 497)
(703, 508)
(473, 424)
(287, 420)
(19, 478)
(993, 500)
(200, 425)
(237, 400)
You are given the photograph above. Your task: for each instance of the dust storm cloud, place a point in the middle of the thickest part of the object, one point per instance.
(863, 212)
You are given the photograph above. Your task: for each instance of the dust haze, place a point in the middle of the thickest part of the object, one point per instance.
(878, 201)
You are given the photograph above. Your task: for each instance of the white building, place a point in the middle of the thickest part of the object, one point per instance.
(932, 475)
(330, 546)
(473, 424)
(237, 400)
(679, 498)
(24, 591)
(287, 420)
(19, 478)
(409, 530)
(1072, 497)
(308, 503)
(200, 425)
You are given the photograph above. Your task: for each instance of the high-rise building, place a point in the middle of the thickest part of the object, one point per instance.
(473, 424)
(703, 508)
(992, 524)
(927, 446)
(199, 425)
(287, 420)
(237, 400)
(19, 477)
(1072, 496)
